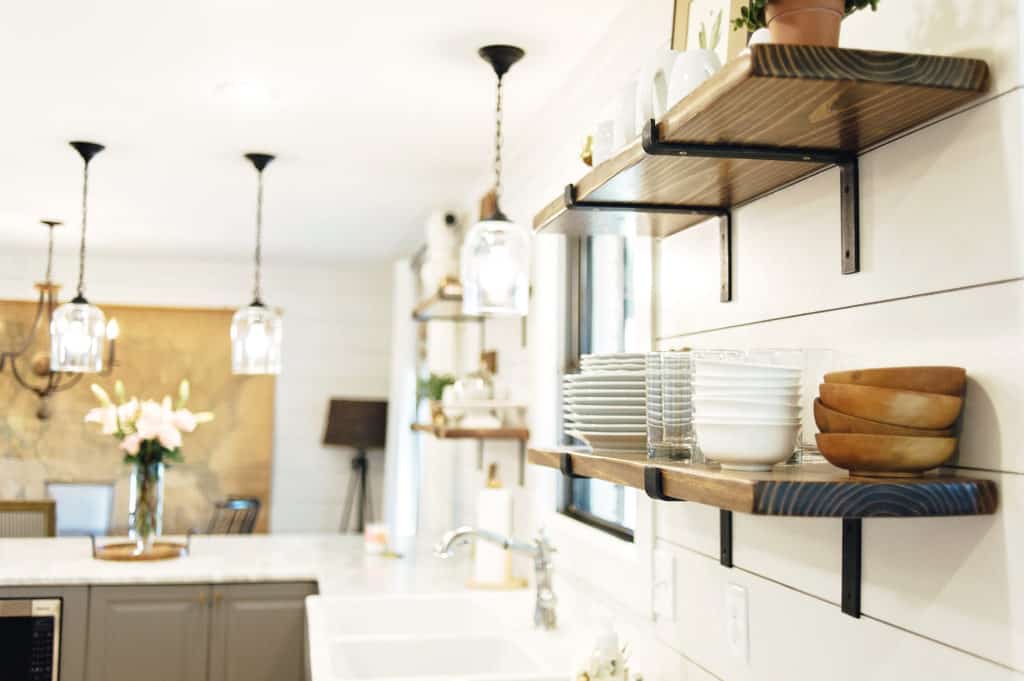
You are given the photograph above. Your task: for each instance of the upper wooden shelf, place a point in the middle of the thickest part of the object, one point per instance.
(511, 433)
(782, 97)
(445, 304)
(820, 490)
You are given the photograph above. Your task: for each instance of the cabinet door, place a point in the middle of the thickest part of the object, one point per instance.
(259, 632)
(74, 616)
(157, 633)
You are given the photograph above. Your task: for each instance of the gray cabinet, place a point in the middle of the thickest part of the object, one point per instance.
(74, 618)
(157, 633)
(223, 632)
(258, 632)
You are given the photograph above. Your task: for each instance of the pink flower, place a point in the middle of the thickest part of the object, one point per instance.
(184, 420)
(105, 416)
(131, 443)
(151, 419)
(127, 412)
(169, 436)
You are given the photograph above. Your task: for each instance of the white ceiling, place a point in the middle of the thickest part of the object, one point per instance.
(378, 112)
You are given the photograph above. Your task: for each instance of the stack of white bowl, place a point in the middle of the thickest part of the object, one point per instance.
(605, 403)
(746, 414)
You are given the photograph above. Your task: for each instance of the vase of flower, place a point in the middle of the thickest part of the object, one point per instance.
(145, 504)
(150, 435)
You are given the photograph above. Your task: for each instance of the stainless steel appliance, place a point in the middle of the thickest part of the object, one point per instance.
(30, 638)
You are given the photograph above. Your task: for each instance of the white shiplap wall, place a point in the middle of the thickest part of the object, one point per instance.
(941, 283)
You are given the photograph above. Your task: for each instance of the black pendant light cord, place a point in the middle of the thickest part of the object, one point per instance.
(259, 162)
(50, 224)
(498, 141)
(259, 239)
(81, 247)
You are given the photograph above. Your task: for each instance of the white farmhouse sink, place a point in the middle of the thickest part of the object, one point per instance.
(457, 657)
(438, 637)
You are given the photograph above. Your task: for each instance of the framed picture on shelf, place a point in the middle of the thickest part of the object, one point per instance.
(707, 24)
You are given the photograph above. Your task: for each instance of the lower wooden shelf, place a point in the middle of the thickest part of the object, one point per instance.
(473, 433)
(810, 490)
(519, 435)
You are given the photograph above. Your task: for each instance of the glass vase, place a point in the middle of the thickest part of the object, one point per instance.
(145, 504)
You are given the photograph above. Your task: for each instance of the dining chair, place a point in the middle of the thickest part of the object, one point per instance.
(22, 518)
(235, 515)
(83, 508)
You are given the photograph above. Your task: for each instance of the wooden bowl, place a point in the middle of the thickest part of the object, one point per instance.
(893, 407)
(942, 380)
(885, 455)
(831, 421)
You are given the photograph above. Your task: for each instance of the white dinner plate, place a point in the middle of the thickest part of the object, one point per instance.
(607, 410)
(606, 376)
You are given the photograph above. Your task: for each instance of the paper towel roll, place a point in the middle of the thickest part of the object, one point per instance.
(492, 564)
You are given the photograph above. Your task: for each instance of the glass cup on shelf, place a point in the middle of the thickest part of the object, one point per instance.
(669, 406)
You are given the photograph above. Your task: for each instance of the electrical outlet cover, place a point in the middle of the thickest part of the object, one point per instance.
(737, 634)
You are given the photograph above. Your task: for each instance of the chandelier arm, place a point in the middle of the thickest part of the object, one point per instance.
(63, 385)
(40, 392)
(27, 342)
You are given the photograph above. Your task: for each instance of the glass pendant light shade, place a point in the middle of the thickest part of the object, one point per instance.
(78, 334)
(256, 341)
(78, 329)
(256, 329)
(495, 259)
(496, 269)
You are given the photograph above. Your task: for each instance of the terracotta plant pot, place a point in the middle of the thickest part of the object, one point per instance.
(805, 22)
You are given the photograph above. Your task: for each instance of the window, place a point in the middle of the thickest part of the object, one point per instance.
(611, 277)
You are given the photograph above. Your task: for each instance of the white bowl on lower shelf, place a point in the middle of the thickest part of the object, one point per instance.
(714, 407)
(747, 446)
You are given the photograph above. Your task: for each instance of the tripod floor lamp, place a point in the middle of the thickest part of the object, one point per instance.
(361, 425)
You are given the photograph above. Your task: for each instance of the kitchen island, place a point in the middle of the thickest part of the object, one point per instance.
(247, 607)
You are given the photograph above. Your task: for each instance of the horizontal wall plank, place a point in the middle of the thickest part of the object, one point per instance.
(940, 209)
(797, 636)
(981, 329)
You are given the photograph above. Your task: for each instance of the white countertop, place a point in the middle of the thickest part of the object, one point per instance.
(337, 563)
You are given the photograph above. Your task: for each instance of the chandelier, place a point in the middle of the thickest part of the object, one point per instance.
(38, 375)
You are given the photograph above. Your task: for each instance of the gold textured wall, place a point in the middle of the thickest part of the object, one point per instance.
(157, 348)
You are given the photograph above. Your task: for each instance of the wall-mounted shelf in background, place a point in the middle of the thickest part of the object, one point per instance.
(768, 119)
(809, 490)
(444, 305)
(520, 435)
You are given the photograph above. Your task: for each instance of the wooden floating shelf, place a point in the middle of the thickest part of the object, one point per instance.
(809, 490)
(743, 125)
(445, 304)
(521, 434)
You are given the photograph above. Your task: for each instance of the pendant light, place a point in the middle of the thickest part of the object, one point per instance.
(78, 329)
(256, 329)
(496, 253)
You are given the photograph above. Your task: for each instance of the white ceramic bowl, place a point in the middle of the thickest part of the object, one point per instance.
(717, 381)
(714, 367)
(712, 407)
(769, 393)
(746, 446)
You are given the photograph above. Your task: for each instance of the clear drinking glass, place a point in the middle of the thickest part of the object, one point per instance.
(677, 405)
(652, 380)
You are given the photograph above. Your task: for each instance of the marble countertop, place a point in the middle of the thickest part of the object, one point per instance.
(337, 563)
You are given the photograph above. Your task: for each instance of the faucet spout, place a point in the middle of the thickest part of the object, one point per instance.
(540, 550)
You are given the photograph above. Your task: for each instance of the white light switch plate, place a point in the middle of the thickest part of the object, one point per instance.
(664, 591)
(737, 635)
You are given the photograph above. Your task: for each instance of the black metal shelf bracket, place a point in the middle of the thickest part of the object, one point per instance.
(852, 544)
(654, 484)
(849, 176)
(565, 464)
(725, 537)
(724, 214)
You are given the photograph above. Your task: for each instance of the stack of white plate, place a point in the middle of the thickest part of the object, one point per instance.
(605, 404)
(746, 415)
